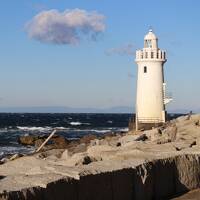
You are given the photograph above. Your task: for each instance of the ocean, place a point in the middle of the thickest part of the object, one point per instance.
(71, 126)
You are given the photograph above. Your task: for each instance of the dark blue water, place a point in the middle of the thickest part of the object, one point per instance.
(71, 126)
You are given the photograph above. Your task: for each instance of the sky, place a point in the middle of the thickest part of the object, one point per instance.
(80, 53)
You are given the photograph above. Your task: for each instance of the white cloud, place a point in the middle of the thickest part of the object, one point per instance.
(127, 49)
(66, 27)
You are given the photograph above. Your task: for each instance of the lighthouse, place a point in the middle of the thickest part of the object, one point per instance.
(151, 97)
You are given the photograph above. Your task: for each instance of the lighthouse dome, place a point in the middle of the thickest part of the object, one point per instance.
(150, 35)
(150, 40)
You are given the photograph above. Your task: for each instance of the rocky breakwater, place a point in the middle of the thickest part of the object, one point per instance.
(56, 142)
(36, 140)
(154, 164)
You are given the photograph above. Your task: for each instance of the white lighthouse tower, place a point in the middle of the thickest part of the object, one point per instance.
(151, 95)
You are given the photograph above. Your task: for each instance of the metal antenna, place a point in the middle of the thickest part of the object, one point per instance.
(150, 28)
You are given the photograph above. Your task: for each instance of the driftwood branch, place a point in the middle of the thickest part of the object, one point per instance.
(50, 136)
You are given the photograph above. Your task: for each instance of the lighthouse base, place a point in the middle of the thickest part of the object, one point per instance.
(149, 123)
(148, 126)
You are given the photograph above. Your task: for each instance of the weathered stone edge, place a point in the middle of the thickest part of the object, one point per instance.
(157, 179)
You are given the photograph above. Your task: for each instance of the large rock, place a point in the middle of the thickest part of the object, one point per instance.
(153, 134)
(87, 138)
(56, 141)
(77, 159)
(171, 132)
(53, 153)
(28, 139)
(65, 155)
(102, 152)
(59, 141)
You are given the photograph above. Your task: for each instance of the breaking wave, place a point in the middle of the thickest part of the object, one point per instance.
(123, 130)
(9, 150)
(78, 123)
(41, 129)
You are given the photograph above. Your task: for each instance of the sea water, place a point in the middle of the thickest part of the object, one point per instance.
(71, 126)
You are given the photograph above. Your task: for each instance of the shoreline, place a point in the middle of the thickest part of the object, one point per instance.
(160, 165)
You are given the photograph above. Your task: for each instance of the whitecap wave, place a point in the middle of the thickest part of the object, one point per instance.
(41, 129)
(2, 130)
(74, 138)
(123, 130)
(61, 128)
(78, 123)
(101, 131)
(93, 130)
(75, 123)
(6, 150)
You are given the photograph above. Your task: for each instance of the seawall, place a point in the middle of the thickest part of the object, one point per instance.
(159, 179)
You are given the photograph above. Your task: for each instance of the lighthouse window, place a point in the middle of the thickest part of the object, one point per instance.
(145, 69)
(148, 43)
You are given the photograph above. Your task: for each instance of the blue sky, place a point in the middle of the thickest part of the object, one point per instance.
(37, 73)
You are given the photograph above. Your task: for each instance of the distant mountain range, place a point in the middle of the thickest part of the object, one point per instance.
(62, 109)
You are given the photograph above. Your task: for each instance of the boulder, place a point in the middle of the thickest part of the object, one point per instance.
(78, 159)
(171, 131)
(95, 142)
(112, 140)
(153, 134)
(142, 137)
(56, 141)
(78, 148)
(128, 138)
(38, 143)
(27, 140)
(86, 160)
(60, 141)
(184, 145)
(102, 152)
(65, 155)
(87, 138)
(53, 152)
